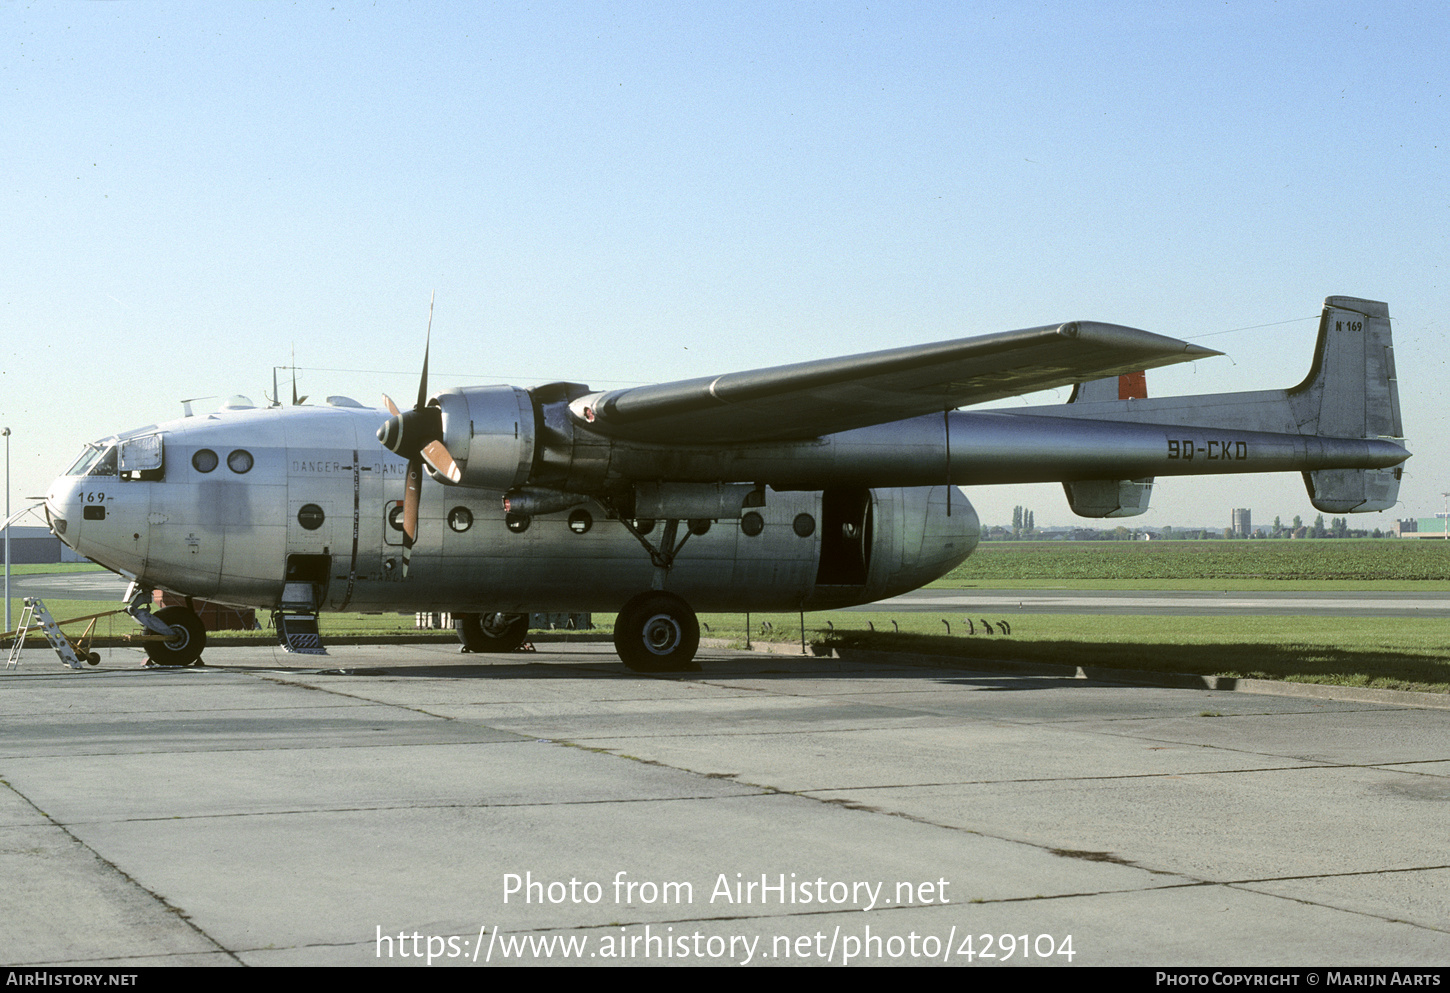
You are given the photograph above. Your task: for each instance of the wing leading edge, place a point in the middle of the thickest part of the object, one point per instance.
(808, 399)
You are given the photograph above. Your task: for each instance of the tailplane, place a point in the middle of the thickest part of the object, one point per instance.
(1350, 396)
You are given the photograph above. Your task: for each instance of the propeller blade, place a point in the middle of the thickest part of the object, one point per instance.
(427, 341)
(442, 462)
(411, 498)
(418, 435)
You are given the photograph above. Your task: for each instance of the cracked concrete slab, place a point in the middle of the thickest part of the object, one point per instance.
(264, 812)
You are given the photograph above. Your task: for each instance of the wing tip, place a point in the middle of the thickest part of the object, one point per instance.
(1122, 335)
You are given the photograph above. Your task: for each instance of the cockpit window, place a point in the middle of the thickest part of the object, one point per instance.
(105, 465)
(84, 462)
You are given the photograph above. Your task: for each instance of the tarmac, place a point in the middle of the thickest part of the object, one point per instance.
(406, 805)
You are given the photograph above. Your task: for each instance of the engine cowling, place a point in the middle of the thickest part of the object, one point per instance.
(490, 432)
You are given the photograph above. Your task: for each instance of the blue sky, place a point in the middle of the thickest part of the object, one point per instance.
(625, 193)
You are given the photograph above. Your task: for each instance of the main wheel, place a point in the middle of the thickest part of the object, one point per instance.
(187, 640)
(657, 632)
(491, 632)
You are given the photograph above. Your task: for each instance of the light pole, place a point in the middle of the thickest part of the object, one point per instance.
(6, 433)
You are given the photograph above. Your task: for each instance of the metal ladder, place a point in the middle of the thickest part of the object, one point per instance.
(35, 608)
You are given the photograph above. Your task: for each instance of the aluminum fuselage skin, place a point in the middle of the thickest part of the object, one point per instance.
(240, 505)
(320, 488)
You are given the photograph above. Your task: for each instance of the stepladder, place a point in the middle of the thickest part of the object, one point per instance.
(36, 614)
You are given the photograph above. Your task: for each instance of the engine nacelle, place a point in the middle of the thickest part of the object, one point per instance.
(490, 432)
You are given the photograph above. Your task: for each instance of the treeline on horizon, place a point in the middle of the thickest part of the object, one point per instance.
(1024, 529)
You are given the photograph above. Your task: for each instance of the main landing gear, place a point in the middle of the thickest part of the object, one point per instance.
(491, 632)
(657, 632)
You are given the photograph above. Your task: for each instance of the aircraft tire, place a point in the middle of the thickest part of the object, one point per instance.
(657, 632)
(487, 633)
(186, 645)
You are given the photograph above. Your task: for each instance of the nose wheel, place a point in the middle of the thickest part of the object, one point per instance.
(186, 641)
(657, 632)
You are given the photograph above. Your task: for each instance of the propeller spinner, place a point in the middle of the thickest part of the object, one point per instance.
(418, 435)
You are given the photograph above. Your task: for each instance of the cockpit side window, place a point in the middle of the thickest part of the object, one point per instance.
(141, 457)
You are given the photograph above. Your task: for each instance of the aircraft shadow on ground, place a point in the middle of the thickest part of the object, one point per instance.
(1245, 660)
(1033, 665)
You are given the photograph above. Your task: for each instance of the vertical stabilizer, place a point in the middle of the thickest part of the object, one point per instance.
(1351, 392)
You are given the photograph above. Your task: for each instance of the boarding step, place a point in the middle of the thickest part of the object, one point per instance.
(297, 632)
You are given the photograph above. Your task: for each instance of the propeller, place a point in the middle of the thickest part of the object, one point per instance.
(296, 400)
(418, 435)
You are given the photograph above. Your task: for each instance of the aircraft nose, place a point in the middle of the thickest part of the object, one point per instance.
(63, 502)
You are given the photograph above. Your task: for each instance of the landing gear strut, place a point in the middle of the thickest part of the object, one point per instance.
(657, 632)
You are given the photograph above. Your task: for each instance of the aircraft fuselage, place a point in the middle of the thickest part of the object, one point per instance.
(245, 501)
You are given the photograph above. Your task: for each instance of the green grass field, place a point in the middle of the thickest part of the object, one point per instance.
(1401, 653)
(1368, 564)
(54, 567)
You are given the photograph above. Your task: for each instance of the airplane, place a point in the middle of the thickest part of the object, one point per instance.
(820, 484)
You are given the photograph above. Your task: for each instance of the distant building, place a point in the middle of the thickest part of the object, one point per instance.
(1423, 527)
(37, 546)
(1243, 524)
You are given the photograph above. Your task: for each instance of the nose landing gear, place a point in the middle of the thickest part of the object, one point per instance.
(175, 635)
(187, 639)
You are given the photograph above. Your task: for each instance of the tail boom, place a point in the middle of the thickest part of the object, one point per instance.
(1347, 411)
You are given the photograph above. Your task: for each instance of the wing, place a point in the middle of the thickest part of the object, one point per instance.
(809, 399)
